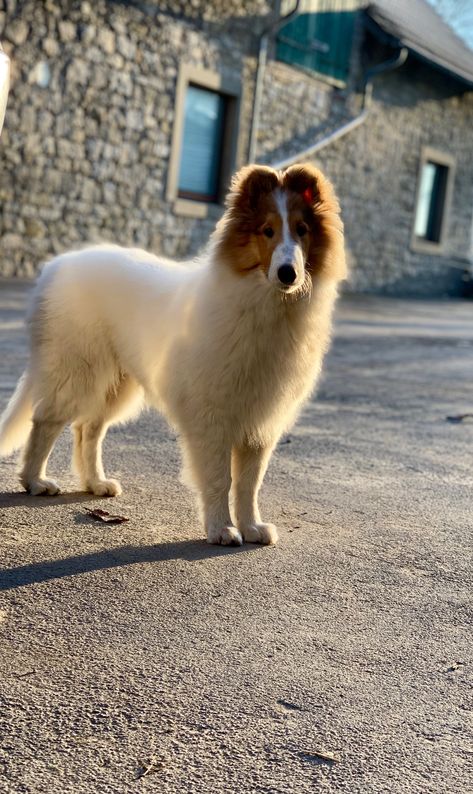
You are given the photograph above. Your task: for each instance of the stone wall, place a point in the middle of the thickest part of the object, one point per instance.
(85, 148)
(297, 109)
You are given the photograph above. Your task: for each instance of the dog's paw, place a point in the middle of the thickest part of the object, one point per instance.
(226, 536)
(40, 486)
(105, 488)
(266, 534)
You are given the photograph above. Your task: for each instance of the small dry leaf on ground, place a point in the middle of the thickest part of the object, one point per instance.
(454, 666)
(107, 518)
(455, 420)
(154, 765)
(288, 705)
(318, 755)
(25, 673)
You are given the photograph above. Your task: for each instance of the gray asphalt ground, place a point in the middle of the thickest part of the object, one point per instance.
(135, 658)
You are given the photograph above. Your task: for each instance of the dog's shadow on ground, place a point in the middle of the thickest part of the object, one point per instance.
(22, 499)
(116, 557)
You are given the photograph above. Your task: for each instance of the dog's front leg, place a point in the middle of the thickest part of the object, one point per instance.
(249, 467)
(208, 460)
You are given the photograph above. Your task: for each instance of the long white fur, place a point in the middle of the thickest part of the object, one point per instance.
(15, 424)
(224, 357)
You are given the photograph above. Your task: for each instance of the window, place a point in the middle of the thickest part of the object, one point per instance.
(433, 198)
(201, 151)
(430, 201)
(320, 42)
(204, 141)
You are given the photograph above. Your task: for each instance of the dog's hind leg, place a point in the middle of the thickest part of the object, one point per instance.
(89, 437)
(40, 443)
(249, 465)
(122, 402)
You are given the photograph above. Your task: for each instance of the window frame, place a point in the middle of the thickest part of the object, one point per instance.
(231, 90)
(420, 244)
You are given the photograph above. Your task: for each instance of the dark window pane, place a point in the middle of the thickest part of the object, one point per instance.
(201, 143)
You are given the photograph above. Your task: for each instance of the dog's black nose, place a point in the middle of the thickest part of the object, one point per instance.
(287, 274)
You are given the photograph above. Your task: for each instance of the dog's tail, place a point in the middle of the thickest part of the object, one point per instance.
(15, 423)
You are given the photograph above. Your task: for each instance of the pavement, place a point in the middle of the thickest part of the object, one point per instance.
(135, 658)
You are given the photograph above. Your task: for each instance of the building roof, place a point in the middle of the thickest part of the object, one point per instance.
(417, 26)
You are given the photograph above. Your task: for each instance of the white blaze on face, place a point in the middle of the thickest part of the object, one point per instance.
(288, 251)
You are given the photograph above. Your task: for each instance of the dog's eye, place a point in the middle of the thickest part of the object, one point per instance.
(268, 231)
(301, 229)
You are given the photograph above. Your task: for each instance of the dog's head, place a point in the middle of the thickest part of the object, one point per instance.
(285, 224)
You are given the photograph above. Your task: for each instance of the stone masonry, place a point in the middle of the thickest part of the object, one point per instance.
(85, 147)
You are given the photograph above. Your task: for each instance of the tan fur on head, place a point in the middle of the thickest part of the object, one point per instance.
(249, 204)
(240, 238)
(327, 252)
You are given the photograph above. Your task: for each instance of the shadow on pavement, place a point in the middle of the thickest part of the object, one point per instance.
(116, 557)
(23, 499)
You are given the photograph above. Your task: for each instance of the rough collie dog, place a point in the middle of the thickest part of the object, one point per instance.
(227, 348)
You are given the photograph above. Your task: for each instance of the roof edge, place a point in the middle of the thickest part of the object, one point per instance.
(389, 35)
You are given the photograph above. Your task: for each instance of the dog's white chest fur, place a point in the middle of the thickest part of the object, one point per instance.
(250, 359)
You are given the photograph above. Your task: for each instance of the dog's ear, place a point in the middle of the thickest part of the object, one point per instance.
(304, 180)
(249, 184)
(322, 210)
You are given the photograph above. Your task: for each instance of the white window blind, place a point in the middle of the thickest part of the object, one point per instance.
(201, 144)
(430, 201)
